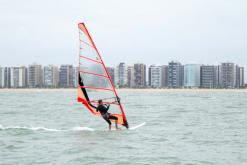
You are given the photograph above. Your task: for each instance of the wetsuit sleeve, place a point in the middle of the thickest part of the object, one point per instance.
(94, 106)
(97, 109)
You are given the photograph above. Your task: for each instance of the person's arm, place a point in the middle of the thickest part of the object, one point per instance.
(108, 106)
(93, 106)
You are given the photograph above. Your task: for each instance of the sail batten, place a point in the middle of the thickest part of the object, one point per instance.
(89, 87)
(90, 59)
(94, 81)
(101, 75)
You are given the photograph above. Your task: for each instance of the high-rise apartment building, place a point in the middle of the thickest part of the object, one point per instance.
(51, 76)
(130, 76)
(209, 76)
(75, 76)
(35, 76)
(120, 73)
(7, 77)
(164, 75)
(14, 77)
(66, 76)
(139, 75)
(155, 76)
(241, 77)
(18, 77)
(176, 75)
(2, 82)
(192, 76)
(23, 78)
(237, 76)
(227, 75)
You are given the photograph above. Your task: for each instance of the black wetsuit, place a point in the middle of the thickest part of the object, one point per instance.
(107, 116)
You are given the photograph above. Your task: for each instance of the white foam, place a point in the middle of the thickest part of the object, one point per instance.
(29, 128)
(82, 129)
(45, 129)
(137, 126)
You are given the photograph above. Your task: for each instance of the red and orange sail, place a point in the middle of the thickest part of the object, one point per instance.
(94, 81)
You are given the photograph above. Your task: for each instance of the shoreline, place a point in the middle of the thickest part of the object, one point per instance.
(122, 90)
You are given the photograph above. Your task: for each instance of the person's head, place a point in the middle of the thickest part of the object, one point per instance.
(100, 102)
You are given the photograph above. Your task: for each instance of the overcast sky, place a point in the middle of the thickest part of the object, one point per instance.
(151, 32)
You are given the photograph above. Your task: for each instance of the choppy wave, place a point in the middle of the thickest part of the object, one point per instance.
(45, 129)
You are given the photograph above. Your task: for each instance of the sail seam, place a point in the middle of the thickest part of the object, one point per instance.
(96, 88)
(90, 59)
(95, 74)
(86, 44)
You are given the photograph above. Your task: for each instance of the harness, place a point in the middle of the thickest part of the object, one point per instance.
(106, 115)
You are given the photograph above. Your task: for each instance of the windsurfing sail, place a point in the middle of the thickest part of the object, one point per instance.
(94, 81)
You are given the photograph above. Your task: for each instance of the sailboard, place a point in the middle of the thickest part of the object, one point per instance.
(94, 81)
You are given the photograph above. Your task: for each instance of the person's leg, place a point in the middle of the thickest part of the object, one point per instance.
(114, 118)
(108, 121)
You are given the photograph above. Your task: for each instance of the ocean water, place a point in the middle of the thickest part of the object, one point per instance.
(181, 127)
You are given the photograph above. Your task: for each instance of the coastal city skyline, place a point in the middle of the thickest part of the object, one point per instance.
(139, 75)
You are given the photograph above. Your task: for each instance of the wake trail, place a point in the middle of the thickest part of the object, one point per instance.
(2, 128)
(44, 128)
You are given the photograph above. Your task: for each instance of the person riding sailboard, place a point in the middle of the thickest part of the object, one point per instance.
(103, 109)
(95, 83)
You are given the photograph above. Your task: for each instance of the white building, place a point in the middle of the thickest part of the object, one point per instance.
(51, 76)
(120, 75)
(2, 82)
(241, 77)
(155, 76)
(75, 76)
(22, 77)
(130, 76)
(18, 77)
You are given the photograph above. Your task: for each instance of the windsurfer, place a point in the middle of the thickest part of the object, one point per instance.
(103, 109)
